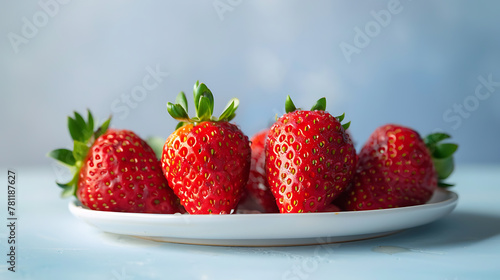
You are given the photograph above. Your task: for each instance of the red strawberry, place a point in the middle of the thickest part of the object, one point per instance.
(118, 172)
(396, 168)
(310, 158)
(207, 160)
(331, 208)
(258, 195)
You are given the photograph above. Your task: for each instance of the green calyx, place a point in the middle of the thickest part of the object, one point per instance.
(83, 134)
(442, 156)
(319, 106)
(204, 107)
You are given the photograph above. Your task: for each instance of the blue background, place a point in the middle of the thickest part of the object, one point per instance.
(417, 70)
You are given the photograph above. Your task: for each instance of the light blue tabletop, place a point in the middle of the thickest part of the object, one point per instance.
(53, 244)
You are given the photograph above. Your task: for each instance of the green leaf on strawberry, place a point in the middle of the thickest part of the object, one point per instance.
(204, 112)
(182, 101)
(228, 112)
(83, 135)
(74, 129)
(101, 130)
(320, 105)
(64, 156)
(442, 156)
(289, 106)
(200, 91)
(204, 107)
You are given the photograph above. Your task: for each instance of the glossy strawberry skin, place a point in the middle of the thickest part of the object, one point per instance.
(395, 170)
(310, 160)
(121, 173)
(258, 195)
(207, 166)
(331, 208)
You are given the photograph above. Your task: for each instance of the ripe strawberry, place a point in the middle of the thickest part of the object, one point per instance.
(331, 208)
(207, 159)
(310, 158)
(398, 168)
(258, 195)
(116, 172)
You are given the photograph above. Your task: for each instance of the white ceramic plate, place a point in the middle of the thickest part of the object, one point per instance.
(269, 229)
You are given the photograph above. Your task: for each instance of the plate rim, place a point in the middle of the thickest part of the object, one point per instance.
(452, 198)
(169, 227)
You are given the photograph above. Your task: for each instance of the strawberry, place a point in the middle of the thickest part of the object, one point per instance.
(310, 159)
(331, 208)
(207, 159)
(398, 168)
(114, 170)
(258, 195)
